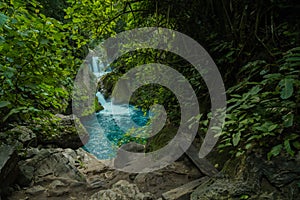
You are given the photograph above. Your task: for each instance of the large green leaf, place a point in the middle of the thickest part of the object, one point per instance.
(287, 89)
(275, 151)
(236, 138)
(288, 148)
(3, 19)
(4, 104)
(288, 120)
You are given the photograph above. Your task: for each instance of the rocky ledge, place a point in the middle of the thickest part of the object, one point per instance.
(56, 173)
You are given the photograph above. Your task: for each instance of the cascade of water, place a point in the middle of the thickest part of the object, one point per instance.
(101, 98)
(104, 131)
(95, 64)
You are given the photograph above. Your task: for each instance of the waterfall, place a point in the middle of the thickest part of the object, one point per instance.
(95, 64)
(101, 98)
(104, 131)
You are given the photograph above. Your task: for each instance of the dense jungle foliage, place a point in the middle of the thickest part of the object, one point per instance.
(255, 45)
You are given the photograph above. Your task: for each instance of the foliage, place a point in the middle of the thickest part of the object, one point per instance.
(37, 65)
(133, 135)
(263, 94)
(265, 114)
(254, 43)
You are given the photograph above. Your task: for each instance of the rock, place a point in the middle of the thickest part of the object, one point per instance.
(8, 165)
(19, 137)
(89, 164)
(57, 173)
(56, 184)
(49, 164)
(26, 175)
(55, 164)
(26, 136)
(35, 190)
(254, 178)
(133, 147)
(72, 134)
(95, 182)
(183, 190)
(120, 93)
(98, 106)
(106, 84)
(123, 159)
(122, 190)
(57, 188)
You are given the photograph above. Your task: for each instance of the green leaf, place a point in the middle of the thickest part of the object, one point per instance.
(288, 120)
(291, 59)
(236, 138)
(275, 151)
(288, 148)
(248, 146)
(296, 144)
(286, 88)
(272, 127)
(292, 136)
(4, 104)
(13, 111)
(3, 19)
(273, 76)
(255, 90)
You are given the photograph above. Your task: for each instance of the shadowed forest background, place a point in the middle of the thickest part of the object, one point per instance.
(255, 44)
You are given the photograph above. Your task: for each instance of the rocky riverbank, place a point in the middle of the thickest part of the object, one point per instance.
(59, 169)
(56, 173)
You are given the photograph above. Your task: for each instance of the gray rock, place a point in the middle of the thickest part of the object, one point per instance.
(133, 147)
(56, 164)
(56, 184)
(35, 190)
(57, 188)
(48, 165)
(26, 136)
(95, 182)
(122, 190)
(19, 137)
(8, 165)
(26, 175)
(255, 178)
(123, 158)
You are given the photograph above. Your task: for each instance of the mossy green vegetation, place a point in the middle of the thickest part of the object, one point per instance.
(255, 45)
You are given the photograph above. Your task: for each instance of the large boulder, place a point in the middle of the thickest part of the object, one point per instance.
(8, 166)
(49, 164)
(61, 174)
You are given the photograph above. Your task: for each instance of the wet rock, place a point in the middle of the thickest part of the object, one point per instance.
(106, 84)
(8, 165)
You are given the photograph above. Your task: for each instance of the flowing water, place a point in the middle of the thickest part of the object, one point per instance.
(105, 131)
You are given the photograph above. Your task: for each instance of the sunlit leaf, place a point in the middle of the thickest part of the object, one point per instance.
(286, 88)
